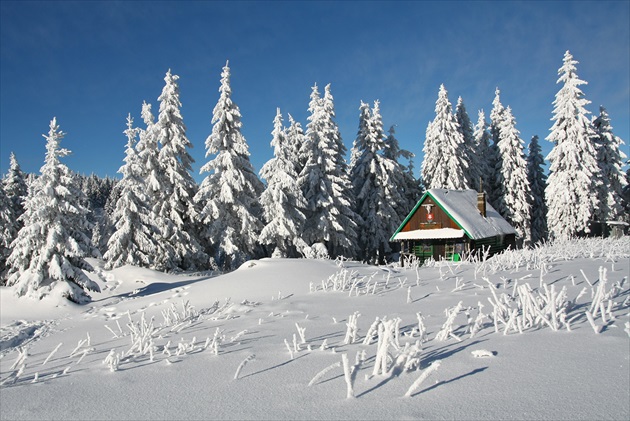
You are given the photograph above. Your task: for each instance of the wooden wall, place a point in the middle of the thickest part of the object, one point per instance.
(419, 219)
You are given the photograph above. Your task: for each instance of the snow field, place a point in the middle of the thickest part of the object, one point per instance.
(282, 339)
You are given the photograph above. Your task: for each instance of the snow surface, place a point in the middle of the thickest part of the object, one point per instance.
(429, 234)
(462, 206)
(538, 374)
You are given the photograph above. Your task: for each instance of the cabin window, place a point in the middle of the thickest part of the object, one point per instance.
(454, 251)
(423, 250)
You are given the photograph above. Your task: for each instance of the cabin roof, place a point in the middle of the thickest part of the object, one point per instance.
(461, 206)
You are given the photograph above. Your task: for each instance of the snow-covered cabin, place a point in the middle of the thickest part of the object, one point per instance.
(446, 224)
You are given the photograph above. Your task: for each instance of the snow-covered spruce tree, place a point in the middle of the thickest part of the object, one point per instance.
(537, 182)
(403, 178)
(148, 153)
(483, 151)
(133, 241)
(229, 195)
(103, 227)
(15, 186)
(377, 197)
(177, 214)
(148, 161)
(610, 158)
(472, 173)
(325, 182)
(358, 145)
(8, 231)
(97, 190)
(50, 250)
(282, 201)
(574, 174)
(296, 140)
(514, 193)
(444, 165)
(496, 120)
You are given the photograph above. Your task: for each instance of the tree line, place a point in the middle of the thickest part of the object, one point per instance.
(307, 201)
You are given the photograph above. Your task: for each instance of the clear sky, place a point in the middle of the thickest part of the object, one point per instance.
(91, 63)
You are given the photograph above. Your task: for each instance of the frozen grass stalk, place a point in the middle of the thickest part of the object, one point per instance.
(52, 353)
(426, 373)
(323, 373)
(242, 364)
(352, 328)
(301, 331)
(589, 316)
(349, 374)
(447, 328)
(286, 343)
(22, 354)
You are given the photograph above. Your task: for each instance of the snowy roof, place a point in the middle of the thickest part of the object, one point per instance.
(431, 234)
(461, 206)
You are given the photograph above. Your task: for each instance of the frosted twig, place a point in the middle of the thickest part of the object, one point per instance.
(301, 330)
(426, 373)
(589, 316)
(242, 364)
(79, 345)
(52, 353)
(323, 372)
(22, 354)
(349, 375)
(324, 345)
(352, 328)
(83, 354)
(238, 335)
(289, 348)
(114, 333)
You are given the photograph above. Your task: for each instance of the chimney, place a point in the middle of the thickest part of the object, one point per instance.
(481, 203)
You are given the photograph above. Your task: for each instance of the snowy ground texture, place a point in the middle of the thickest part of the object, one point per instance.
(534, 334)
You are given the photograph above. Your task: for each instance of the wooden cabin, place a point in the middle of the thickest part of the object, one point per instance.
(447, 224)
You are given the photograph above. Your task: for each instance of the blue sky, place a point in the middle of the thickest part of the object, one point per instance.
(91, 63)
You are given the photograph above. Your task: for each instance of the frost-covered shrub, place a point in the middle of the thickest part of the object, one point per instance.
(316, 251)
(388, 336)
(447, 328)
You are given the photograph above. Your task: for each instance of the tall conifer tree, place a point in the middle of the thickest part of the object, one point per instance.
(403, 178)
(537, 182)
(376, 195)
(483, 152)
(325, 181)
(514, 194)
(133, 239)
(229, 195)
(574, 175)
(496, 120)
(468, 150)
(444, 165)
(50, 250)
(610, 158)
(8, 231)
(297, 141)
(174, 205)
(15, 186)
(282, 201)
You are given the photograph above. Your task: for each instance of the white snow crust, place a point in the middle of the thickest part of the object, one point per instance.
(247, 344)
(429, 234)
